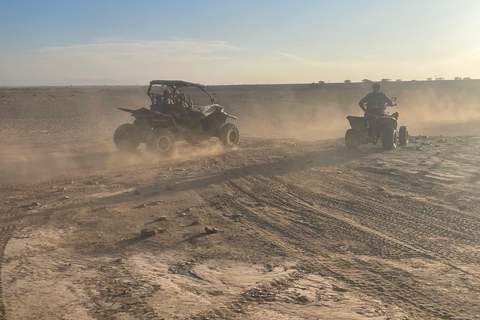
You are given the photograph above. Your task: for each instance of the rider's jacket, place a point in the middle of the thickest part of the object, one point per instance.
(376, 103)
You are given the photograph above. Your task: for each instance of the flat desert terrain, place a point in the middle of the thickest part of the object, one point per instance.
(306, 228)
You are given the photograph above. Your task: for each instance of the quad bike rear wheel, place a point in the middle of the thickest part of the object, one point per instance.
(403, 136)
(229, 135)
(161, 142)
(389, 138)
(352, 139)
(125, 137)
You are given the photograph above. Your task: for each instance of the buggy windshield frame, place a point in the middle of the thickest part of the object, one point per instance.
(174, 84)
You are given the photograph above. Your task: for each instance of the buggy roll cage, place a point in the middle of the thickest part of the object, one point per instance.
(174, 84)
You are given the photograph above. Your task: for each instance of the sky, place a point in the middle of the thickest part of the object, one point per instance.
(72, 42)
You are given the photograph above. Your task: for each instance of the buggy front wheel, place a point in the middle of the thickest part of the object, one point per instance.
(229, 135)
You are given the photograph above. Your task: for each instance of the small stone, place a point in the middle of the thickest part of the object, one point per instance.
(147, 232)
(61, 189)
(162, 218)
(143, 205)
(211, 230)
(66, 198)
(381, 189)
(34, 204)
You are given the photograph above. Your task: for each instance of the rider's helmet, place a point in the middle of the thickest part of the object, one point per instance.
(167, 93)
(376, 87)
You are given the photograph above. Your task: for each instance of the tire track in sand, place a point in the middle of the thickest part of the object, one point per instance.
(318, 227)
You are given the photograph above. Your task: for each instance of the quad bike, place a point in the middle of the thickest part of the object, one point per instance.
(372, 128)
(173, 116)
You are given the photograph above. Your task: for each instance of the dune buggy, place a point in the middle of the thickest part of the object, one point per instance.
(173, 116)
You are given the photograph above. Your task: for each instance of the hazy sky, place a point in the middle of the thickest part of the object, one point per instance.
(98, 42)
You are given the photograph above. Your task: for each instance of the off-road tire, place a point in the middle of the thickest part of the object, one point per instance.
(403, 136)
(389, 138)
(125, 138)
(352, 139)
(229, 135)
(161, 142)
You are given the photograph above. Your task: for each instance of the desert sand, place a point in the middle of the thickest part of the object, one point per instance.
(306, 228)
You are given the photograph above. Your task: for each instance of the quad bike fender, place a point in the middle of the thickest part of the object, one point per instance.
(357, 123)
(390, 123)
(381, 121)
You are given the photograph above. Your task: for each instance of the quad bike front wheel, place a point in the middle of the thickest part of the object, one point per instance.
(161, 142)
(389, 138)
(403, 136)
(125, 137)
(352, 139)
(229, 135)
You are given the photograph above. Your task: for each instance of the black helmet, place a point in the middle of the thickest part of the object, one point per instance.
(376, 87)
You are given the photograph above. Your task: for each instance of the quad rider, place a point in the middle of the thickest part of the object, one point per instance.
(376, 102)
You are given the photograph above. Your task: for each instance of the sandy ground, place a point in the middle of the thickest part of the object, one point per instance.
(306, 229)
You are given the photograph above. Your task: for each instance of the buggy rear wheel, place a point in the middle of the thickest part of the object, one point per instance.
(352, 139)
(161, 142)
(229, 135)
(125, 137)
(389, 138)
(403, 136)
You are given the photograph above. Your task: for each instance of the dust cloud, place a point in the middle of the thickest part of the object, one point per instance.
(315, 112)
(54, 131)
(21, 162)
